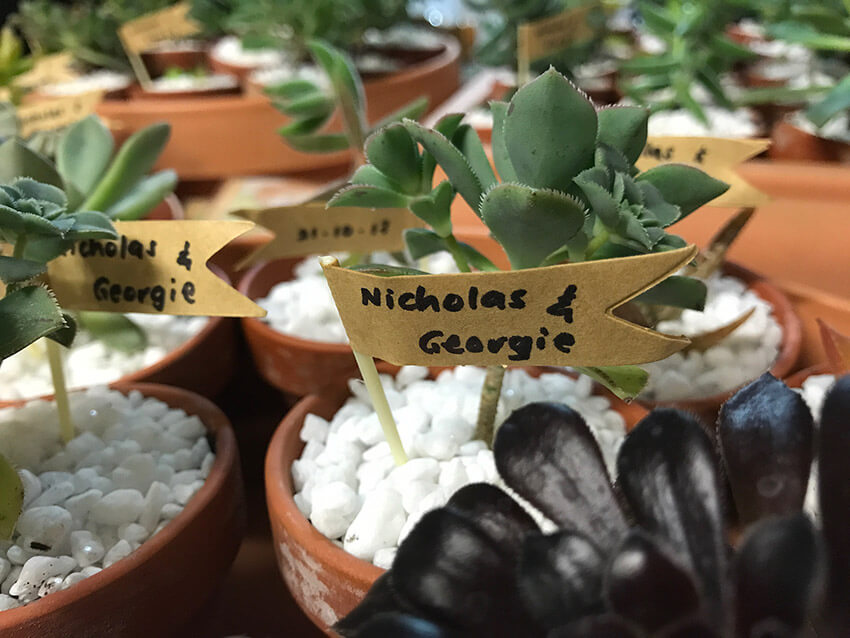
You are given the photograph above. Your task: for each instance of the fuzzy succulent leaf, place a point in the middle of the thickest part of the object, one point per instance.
(422, 242)
(663, 211)
(385, 270)
(545, 151)
(500, 151)
(114, 330)
(530, 224)
(13, 270)
(602, 203)
(624, 128)
(676, 291)
(684, 186)
(766, 436)
(467, 140)
(368, 197)
(626, 382)
(143, 197)
(393, 152)
(11, 498)
(17, 160)
(26, 315)
(496, 514)
(448, 156)
(315, 104)
(447, 125)
(368, 175)
(83, 153)
(435, 209)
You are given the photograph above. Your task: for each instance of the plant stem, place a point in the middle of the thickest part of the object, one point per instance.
(63, 408)
(596, 243)
(457, 254)
(490, 393)
(382, 408)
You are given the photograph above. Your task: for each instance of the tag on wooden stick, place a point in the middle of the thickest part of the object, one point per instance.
(546, 36)
(48, 115)
(306, 229)
(717, 156)
(157, 267)
(559, 315)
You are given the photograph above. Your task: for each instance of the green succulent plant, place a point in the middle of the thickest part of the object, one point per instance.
(568, 191)
(311, 105)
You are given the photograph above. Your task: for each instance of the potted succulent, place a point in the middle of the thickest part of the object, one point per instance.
(83, 487)
(647, 559)
(112, 346)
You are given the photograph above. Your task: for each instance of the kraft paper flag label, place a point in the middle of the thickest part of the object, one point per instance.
(50, 69)
(717, 156)
(48, 115)
(172, 23)
(157, 267)
(558, 315)
(311, 228)
(550, 35)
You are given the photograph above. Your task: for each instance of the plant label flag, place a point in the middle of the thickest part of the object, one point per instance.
(546, 36)
(48, 115)
(157, 267)
(50, 69)
(306, 229)
(556, 315)
(717, 156)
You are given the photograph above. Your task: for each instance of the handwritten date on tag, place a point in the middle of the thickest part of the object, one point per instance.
(156, 267)
(307, 229)
(559, 315)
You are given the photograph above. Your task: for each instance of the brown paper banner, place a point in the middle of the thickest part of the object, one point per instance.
(172, 23)
(717, 156)
(48, 115)
(157, 267)
(559, 315)
(307, 229)
(543, 37)
(49, 69)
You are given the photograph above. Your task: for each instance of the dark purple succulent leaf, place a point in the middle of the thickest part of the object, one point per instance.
(766, 436)
(548, 455)
(496, 514)
(378, 600)
(834, 492)
(695, 628)
(667, 471)
(452, 572)
(777, 574)
(398, 625)
(560, 578)
(646, 585)
(602, 626)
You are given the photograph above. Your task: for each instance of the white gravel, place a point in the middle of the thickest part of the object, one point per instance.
(304, 307)
(275, 75)
(188, 82)
(349, 487)
(722, 123)
(814, 392)
(89, 362)
(838, 128)
(96, 81)
(229, 50)
(741, 357)
(132, 468)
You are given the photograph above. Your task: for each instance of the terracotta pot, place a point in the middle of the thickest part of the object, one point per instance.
(793, 143)
(158, 61)
(161, 585)
(796, 380)
(325, 581)
(246, 140)
(296, 366)
(789, 350)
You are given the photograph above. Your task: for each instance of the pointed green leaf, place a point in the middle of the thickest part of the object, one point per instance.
(601, 202)
(467, 140)
(422, 242)
(144, 197)
(501, 159)
(835, 102)
(684, 186)
(11, 498)
(16, 160)
(13, 270)
(309, 105)
(370, 176)
(664, 212)
(676, 291)
(447, 125)
(626, 382)
(330, 143)
(624, 128)
(26, 315)
(292, 89)
(83, 153)
(64, 336)
(530, 224)
(36, 190)
(368, 197)
(435, 208)
(550, 132)
(387, 271)
(632, 230)
(91, 224)
(116, 331)
(392, 151)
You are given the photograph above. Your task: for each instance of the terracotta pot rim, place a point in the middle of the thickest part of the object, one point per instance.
(796, 380)
(265, 330)
(788, 124)
(226, 457)
(789, 349)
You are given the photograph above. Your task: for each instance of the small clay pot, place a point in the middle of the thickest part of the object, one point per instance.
(158, 61)
(796, 380)
(163, 584)
(793, 143)
(326, 581)
(789, 350)
(296, 366)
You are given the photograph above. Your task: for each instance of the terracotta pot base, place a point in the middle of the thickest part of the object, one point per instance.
(793, 143)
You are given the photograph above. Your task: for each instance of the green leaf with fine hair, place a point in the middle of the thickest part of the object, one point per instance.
(45, 249)
(144, 197)
(90, 224)
(550, 132)
(291, 89)
(665, 212)
(66, 334)
(348, 88)
(676, 291)
(623, 128)
(501, 158)
(387, 271)
(368, 197)
(836, 101)
(467, 140)
(36, 190)
(631, 230)
(446, 126)
(451, 160)
(14, 270)
(329, 143)
(27, 315)
(530, 224)
(393, 152)
(369, 175)
(16, 160)
(626, 382)
(133, 161)
(11, 498)
(305, 126)
(602, 203)
(22, 223)
(83, 153)
(684, 186)
(309, 105)
(114, 330)
(435, 209)
(422, 242)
